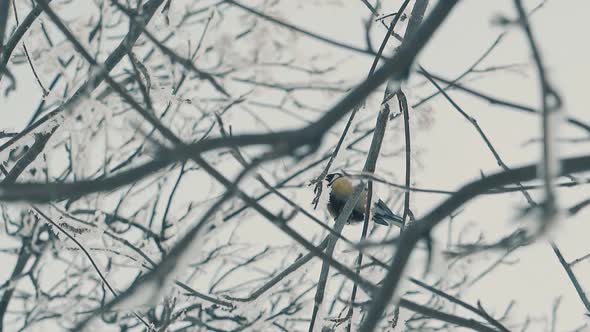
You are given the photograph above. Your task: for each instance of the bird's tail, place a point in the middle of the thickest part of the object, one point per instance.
(384, 216)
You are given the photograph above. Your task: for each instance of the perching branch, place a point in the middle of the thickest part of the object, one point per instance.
(550, 106)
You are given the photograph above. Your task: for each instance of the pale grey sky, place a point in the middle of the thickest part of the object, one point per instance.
(451, 152)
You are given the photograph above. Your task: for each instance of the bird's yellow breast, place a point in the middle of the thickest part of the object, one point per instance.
(342, 188)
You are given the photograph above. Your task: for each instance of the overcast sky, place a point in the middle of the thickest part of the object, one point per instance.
(451, 152)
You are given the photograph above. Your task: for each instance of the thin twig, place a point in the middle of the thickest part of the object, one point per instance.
(300, 30)
(461, 303)
(508, 104)
(572, 277)
(439, 315)
(473, 122)
(45, 92)
(403, 105)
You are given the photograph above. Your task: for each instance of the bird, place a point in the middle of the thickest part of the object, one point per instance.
(342, 188)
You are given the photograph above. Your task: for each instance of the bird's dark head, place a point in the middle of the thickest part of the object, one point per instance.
(330, 178)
